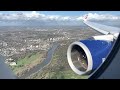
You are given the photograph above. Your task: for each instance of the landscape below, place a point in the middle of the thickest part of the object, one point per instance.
(26, 47)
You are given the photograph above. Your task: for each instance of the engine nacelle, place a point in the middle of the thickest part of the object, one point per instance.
(86, 55)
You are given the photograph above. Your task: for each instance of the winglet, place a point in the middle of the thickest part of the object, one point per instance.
(85, 18)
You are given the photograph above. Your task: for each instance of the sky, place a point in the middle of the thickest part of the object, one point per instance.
(55, 17)
(67, 13)
(79, 13)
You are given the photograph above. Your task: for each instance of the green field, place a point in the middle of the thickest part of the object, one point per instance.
(28, 62)
(58, 68)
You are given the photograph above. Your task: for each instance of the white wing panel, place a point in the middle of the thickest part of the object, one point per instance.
(103, 28)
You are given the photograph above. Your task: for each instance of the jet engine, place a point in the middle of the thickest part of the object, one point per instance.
(85, 56)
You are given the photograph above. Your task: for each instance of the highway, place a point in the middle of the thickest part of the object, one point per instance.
(39, 67)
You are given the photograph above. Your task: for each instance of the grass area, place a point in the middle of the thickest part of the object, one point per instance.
(66, 75)
(28, 62)
(58, 68)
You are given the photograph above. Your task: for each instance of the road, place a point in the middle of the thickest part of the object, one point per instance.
(43, 64)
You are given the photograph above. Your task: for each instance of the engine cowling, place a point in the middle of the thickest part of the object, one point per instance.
(86, 55)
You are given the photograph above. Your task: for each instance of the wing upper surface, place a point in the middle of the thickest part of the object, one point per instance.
(103, 28)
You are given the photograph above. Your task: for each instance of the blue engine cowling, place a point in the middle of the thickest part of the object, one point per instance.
(95, 50)
(99, 49)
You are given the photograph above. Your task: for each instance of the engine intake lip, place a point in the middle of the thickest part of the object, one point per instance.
(88, 54)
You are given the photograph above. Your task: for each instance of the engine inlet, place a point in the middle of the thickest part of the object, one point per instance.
(79, 58)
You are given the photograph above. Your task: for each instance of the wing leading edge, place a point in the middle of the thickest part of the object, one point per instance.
(102, 28)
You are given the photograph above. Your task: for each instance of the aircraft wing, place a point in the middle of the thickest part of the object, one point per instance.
(104, 29)
(93, 51)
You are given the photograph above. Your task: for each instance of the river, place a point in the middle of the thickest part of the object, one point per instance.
(43, 64)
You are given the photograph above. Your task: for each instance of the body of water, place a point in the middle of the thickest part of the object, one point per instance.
(43, 64)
